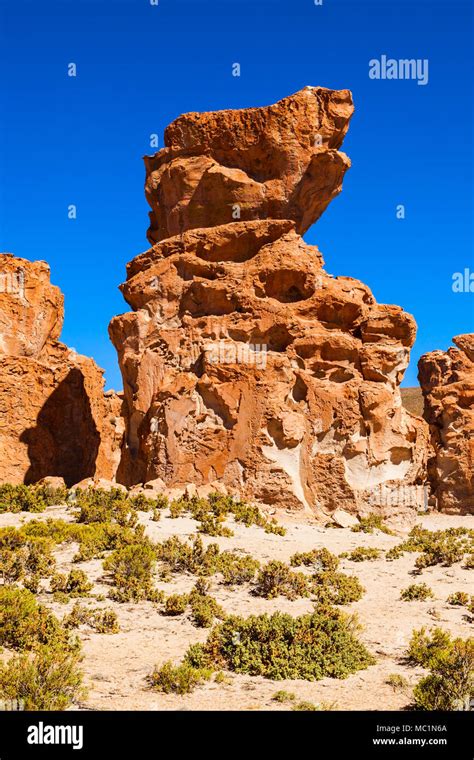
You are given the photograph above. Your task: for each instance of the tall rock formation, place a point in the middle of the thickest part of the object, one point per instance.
(54, 417)
(243, 360)
(447, 382)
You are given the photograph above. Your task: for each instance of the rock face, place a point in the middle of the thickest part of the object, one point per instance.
(54, 417)
(447, 381)
(244, 362)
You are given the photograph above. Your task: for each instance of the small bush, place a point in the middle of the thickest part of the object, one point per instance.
(397, 682)
(450, 684)
(363, 553)
(459, 598)
(23, 498)
(176, 604)
(416, 592)
(276, 579)
(102, 621)
(336, 588)
(237, 570)
(322, 559)
(204, 609)
(179, 679)
(284, 696)
(279, 646)
(74, 584)
(50, 679)
(131, 568)
(370, 523)
(441, 547)
(24, 624)
(306, 707)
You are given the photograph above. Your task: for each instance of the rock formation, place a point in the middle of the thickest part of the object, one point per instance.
(447, 382)
(54, 417)
(244, 362)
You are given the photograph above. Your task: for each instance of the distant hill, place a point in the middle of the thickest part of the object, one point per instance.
(412, 399)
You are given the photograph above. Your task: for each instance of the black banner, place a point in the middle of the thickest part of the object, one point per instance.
(132, 734)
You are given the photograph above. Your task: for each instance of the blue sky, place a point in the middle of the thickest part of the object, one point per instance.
(80, 140)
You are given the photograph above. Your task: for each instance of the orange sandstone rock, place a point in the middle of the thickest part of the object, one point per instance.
(54, 417)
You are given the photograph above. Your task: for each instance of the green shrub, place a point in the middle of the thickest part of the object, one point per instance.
(416, 592)
(102, 621)
(131, 568)
(23, 498)
(50, 679)
(450, 684)
(211, 513)
(99, 506)
(305, 707)
(397, 682)
(180, 679)
(283, 696)
(237, 570)
(204, 609)
(441, 547)
(363, 553)
(276, 578)
(459, 598)
(370, 523)
(176, 604)
(279, 646)
(332, 587)
(323, 559)
(425, 649)
(24, 623)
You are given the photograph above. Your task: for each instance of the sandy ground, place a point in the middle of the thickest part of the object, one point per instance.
(117, 666)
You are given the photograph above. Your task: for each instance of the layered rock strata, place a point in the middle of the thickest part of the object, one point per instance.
(244, 362)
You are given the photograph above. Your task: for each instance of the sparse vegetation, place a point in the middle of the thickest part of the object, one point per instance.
(284, 696)
(363, 553)
(320, 559)
(179, 679)
(279, 646)
(131, 571)
(331, 587)
(460, 598)
(440, 547)
(397, 682)
(450, 683)
(370, 523)
(23, 498)
(100, 620)
(416, 592)
(276, 579)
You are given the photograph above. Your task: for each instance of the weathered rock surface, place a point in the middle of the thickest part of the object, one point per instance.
(54, 417)
(447, 381)
(244, 362)
(278, 162)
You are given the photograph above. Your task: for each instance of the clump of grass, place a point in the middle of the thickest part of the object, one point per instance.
(459, 598)
(131, 570)
(450, 683)
(176, 604)
(440, 547)
(178, 679)
(279, 646)
(23, 498)
(416, 592)
(237, 570)
(363, 553)
(306, 707)
(100, 620)
(276, 579)
(397, 682)
(213, 511)
(321, 559)
(370, 523)
(25, 624)
(76, 583)
(336, 588)
(284, 696)
(48, 679)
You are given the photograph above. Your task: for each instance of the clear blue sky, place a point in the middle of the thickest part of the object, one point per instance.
(80, 140)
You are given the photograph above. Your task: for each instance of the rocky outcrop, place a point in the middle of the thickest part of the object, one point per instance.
(54, 417)
(244, 362)
(447, 382)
